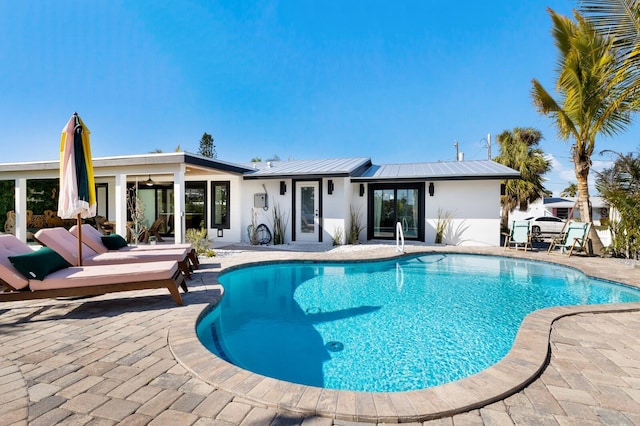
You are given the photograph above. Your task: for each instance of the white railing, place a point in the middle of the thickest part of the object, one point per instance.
(399, 237)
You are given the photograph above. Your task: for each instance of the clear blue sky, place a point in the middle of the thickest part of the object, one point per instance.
(394, 81)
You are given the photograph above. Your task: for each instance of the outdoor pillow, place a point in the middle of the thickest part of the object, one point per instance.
(39, 263)
(113, 242)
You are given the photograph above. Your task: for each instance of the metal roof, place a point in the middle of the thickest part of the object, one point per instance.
(570, 202)
(451, 170)
(337, 167)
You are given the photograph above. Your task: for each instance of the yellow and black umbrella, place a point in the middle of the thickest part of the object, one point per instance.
(77, 186)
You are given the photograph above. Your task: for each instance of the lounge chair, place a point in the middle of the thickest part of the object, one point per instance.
(520, 234)
(76, 280)
(94, 239)
(575, 237)
(66, 245)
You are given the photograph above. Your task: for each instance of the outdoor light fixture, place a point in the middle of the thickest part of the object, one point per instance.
(149, 182)
(220, 232)
(283, 187)
(432, 189)
(330, 186)
(362, 189)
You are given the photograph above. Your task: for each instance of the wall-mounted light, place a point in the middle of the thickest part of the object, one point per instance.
(362, 189)
(220, 232)
(330, 187)
(283, 187)
(432, 189)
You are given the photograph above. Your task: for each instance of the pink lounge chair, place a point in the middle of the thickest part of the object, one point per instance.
(66, 245)
(81, 280)
(94, 239)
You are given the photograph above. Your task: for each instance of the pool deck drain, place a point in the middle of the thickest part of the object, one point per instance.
(108, 359)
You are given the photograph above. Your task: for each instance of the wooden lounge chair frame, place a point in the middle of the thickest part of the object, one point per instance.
(94, 290)
(83, 280)
(568, 240)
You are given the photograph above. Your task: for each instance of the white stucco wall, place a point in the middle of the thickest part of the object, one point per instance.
(475, 210)
(359, 205)
(335, 210)
(272, 187)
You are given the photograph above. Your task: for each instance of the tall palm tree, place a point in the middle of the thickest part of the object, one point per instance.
(518, 151)
(594, 99)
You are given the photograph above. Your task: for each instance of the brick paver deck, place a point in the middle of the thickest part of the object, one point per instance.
(116, 359)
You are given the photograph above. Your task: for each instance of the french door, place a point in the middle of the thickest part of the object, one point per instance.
(307, 212)
(393, 204)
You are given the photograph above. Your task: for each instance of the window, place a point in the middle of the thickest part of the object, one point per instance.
(220, 205)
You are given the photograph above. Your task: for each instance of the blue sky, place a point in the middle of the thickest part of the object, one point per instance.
(395, 81)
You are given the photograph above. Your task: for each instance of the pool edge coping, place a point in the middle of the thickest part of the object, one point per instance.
(525, 361)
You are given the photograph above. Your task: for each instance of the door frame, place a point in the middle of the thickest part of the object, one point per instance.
(420, 186)
(294, 216)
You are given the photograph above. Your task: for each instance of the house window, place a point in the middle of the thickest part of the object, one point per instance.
(220, 204)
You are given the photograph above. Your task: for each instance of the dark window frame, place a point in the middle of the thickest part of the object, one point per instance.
(226, 223)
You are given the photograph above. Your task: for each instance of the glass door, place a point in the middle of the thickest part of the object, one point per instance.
(384, 213)
(307, 212)
(390, 205)
(195, 205)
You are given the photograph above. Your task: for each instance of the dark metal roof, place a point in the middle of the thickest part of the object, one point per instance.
(337, 167)
(451, 170)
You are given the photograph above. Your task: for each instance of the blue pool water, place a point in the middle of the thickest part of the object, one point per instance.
(387, 326)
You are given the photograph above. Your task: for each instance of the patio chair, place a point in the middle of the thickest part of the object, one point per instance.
(95, 240)
(575, 237)
(520, 234)
(66, 245)
(26, 274)
(154, 230)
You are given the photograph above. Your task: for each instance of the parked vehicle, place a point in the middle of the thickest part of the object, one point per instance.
(545, 226)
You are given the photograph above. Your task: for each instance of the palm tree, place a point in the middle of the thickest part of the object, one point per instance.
(593, 100)
(570, 191)
(620, 20)
(620, 187)
(518, 151)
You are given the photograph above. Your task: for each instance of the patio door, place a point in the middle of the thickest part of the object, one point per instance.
(390, 204)
(307, 212)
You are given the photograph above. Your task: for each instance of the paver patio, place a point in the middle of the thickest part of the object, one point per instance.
(112, 360)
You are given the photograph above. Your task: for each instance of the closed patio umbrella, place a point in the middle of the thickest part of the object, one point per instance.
(77, 186)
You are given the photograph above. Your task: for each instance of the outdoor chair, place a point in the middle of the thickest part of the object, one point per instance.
(575, 237)
(154, 230)
(93, 238)
(27, 274)
(520, 234)
(66, 245)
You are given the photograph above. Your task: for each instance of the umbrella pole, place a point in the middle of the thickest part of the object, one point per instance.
(79, 240)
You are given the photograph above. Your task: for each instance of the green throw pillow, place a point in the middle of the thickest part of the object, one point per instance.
(113, 242)
(39, 263)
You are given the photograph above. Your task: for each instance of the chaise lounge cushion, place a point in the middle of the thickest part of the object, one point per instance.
(106, 274)
(39, 263)
(113, 241)
(11, 246)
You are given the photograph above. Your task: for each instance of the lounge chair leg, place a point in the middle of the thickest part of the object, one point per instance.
(184, 267)
(193, 257)
(173, 289)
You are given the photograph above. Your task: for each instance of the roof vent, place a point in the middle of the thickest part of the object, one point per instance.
(269, 164)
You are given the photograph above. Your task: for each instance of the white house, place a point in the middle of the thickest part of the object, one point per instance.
(316, 198)
(562, 207)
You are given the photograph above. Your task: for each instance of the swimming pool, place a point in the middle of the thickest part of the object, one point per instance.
(394, 325)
